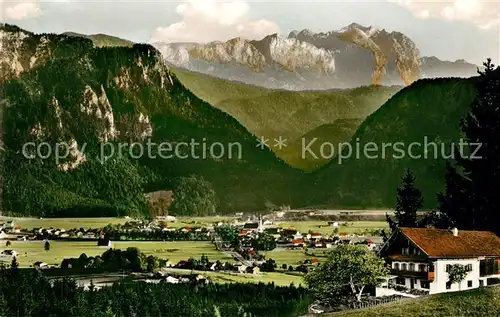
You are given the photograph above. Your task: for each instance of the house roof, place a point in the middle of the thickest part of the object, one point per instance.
(442, 243)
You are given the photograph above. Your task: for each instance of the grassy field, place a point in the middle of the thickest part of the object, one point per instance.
(95, 223)
(30, 252)
(277, 278)
(274, 277)
(64, 223)
(322, 226)
(199, 221)
(293, 257)
(477, 302)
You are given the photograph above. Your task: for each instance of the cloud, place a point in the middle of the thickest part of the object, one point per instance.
(212, 20)
(20, 9)
(482, 14)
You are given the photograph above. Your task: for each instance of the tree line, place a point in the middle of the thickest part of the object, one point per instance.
(114, 260)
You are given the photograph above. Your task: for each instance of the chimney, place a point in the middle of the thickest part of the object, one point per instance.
(455, 232)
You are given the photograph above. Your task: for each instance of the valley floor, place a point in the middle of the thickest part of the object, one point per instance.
(31, 252)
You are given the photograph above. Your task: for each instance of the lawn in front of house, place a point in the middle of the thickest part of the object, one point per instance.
(477, 302)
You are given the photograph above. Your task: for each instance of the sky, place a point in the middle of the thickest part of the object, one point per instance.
(449, 30)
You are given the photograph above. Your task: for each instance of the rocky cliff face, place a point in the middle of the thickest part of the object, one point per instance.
(394, 47)
(274, 61)
(392, 53)
(16, 54)
(353, 56)
(21, 50)
(289, 54)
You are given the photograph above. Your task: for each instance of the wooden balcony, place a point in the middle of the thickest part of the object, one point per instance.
(428, 276)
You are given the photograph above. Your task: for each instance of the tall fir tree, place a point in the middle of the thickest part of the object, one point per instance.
(408, 202)
(472, 193)
(455, 203)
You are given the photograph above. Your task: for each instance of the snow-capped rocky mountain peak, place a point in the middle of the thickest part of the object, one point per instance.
(352, 56)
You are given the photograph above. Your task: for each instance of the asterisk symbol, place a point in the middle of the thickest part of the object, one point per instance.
(280, 142)
(262, 142)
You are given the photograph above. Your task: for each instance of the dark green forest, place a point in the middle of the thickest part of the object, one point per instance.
(427, 113)
(30, 294)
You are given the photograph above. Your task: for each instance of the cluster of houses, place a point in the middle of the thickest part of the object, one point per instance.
(11, 231)
(220, 267)
(172, 279)
(292, 238)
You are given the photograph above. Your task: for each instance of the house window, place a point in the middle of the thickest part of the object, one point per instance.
(396, 266)
(400, 280)
(481, 283)
(422, 268)
(424, 284)
(448, 266)
(448, 285)
(469, 267)
(469, 283)
(412, 267)
(404, 267)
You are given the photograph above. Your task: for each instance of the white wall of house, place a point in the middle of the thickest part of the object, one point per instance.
(441, 276)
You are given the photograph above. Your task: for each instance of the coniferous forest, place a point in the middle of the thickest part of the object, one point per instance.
(30, 294)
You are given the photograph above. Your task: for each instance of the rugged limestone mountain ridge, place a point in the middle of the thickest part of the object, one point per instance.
(350, 57)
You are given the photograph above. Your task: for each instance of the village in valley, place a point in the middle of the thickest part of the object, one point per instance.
(244, 240)
(280, 247)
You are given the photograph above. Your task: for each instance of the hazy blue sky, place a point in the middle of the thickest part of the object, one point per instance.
(451, 30)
